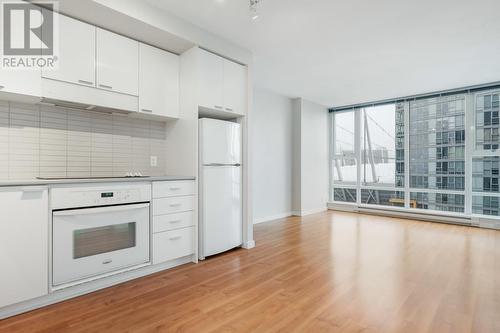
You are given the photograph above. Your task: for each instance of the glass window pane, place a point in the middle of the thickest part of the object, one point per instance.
(437, 141)
(485, 174)
(344, 161)
(382, 197)
(486, 205)
(382, 145)
(487, 121)
(438, 201)
(344, 194)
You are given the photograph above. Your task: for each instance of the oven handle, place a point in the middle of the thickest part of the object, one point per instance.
(97, 210)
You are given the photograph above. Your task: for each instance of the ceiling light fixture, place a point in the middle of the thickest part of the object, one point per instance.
(254, 10)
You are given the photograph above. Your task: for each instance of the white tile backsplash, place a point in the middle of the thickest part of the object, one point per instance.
(56, 142)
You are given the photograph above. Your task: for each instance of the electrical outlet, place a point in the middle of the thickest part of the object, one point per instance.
(154, 161)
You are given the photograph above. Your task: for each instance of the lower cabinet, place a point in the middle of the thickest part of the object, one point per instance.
(174, 220)
(173, 244)
(24, 239)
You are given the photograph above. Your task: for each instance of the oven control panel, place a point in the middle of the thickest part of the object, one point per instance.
(99, 195)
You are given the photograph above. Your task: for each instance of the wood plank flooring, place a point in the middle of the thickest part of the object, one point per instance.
(329, 272)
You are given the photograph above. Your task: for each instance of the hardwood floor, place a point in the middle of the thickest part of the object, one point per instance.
(329, 272)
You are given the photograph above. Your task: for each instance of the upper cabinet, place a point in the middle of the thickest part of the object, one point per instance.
(77, 45)
(235, 87)
(117, 63)
(211, 81)
(222, 84)
(158, 82)
(20, 82)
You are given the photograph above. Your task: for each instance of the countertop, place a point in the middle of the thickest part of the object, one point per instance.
(42, 182)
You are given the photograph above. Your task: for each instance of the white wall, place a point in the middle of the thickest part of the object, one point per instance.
(271, 136)
(310, 157)
(314, 157)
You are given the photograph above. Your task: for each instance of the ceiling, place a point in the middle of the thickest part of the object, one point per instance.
(337, 52)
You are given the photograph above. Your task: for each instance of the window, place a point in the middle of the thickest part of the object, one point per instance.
(344, 159)
(381, 147)
(438, 201)
(486, 205)
(487, 121)
(382, 197)
(344, 194)
(485, 174)
(421, 153)
(437, 143)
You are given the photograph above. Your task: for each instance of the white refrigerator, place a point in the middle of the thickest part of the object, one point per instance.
(220, 186)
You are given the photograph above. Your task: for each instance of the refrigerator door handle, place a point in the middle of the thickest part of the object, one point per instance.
(222, 164)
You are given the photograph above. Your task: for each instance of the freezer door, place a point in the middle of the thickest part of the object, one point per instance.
(221, 209)
(220, 142)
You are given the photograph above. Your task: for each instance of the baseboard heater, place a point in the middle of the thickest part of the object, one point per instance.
(465, 221)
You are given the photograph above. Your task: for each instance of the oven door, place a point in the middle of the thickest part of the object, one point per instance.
(93, 241)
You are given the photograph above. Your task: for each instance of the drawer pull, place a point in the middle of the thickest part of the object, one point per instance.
(229, 109)
(175, 188)
(1, 87)
(175, 221)
(86, 82)
(105, 86)
(175, 205)
(175, 237)
(147, 110)
(218, 107)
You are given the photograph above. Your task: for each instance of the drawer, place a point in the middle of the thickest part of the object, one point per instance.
(173, 205)
(174, 244)
(173, 221)
(174, 188)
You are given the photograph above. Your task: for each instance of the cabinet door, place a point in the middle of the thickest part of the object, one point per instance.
(76, 62)
(117, 63)
(211, 81)
(24, 238)
(25, 82)
(235, 87)
(158, 82)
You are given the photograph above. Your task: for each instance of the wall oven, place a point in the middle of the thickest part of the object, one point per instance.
(99, 230)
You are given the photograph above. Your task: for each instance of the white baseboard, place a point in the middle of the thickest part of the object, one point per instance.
(309, 212)
(248, 245)
(273, 217)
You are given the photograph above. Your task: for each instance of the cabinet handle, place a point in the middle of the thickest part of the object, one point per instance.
(218, 107)
(86, 82)
(147, 110)
(107, 261)
(175, 188)
(175, 221)
(175, 205)
(105, 86)
(229, 109)
(175, 237)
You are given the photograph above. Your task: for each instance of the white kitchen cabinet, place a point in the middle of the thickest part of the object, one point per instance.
(175, 244)
(211, 81)
(235, 87)
(20, 82)
(158, 82)
(24, 238)
(117, 63)
(222, 84)
(76, 61)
